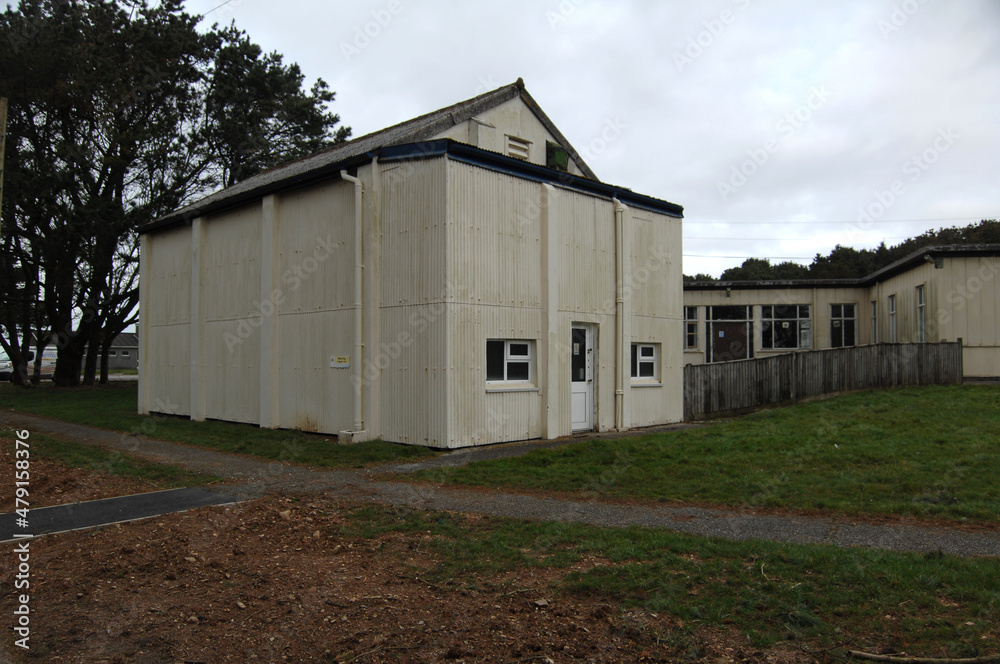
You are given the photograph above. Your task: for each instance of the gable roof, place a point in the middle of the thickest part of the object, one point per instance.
(908, 262)
(411, 131)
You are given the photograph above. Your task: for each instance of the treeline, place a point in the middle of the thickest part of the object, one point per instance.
(849, 263)
(119, 112)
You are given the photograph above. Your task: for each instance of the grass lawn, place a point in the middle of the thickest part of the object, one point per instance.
(812, 597)
(114, 407)
(79, 455)
(927, 451)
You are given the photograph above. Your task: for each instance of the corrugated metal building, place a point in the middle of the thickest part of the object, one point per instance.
(938, 293)
(459, 279)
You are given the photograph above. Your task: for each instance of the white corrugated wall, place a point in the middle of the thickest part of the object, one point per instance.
(166, 311)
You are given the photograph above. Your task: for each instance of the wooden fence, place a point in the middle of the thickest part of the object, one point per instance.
(725, 388)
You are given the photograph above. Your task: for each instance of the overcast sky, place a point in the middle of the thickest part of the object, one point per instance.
(783, 128)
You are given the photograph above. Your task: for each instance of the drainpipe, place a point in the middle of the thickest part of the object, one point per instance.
(359, 268)
(623, 351)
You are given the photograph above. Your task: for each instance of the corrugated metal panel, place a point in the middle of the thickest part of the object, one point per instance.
(167, 306)
(315, 295)
(413, 232)
(316, 249)
(313, 395)
(494, 238)
(586, 235)
(230, 291)
(411, 362)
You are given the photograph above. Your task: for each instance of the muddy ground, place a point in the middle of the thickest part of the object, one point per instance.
(284, 580)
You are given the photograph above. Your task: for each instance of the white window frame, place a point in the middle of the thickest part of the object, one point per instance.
(690, 328)
(803, 326)
(112, 353)
(874, 321)
(646, 354)
(508, 358)
(892, 319)
(921, 313)
(124, 353)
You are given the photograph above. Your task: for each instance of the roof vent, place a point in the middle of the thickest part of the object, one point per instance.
(517, 147)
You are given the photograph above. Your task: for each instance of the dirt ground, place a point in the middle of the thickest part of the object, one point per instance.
(275, 580)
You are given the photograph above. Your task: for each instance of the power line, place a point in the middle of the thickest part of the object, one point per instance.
(217, 7)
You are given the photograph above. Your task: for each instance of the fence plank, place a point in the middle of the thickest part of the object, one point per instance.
(743, 385)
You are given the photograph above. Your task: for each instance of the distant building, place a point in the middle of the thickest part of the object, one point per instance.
(941, 293)
(459, 279)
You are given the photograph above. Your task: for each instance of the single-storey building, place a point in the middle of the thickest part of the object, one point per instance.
(459, 279)
(938, 293)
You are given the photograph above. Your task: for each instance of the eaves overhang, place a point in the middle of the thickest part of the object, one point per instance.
(414, 151)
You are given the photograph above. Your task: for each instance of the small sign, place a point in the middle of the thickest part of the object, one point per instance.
(722, 334)
(576, 349)
(340, 361)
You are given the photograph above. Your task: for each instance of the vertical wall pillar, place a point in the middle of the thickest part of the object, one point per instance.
(269, 264)
(548, 361)
(197, 325)
(145, 373)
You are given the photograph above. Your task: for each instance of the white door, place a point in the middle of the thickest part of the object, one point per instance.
(582, 378)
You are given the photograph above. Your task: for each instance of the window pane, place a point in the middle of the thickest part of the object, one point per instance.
(635, 362)
(517, 371)
(729, 313)
(519, 350)
(494, 360)
(124, 353)
(836, 310)
(646, 369)
(786, 334)
(647, 351)
(849, 311)
(767, 328)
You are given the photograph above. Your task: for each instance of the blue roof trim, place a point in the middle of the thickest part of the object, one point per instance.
(501, 163)
(425, 150)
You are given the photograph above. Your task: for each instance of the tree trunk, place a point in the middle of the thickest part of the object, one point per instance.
(105, 349)
(90, 363)
(68, 364)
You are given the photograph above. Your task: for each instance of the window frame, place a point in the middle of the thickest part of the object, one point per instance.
(690, 328)
(802, 321)
(842, 318)
(639, 359)
(508, 359)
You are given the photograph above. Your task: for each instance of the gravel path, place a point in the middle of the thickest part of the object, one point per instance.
(251, 478)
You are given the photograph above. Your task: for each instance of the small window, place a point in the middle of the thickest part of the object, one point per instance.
(556, 156)
(111, 353)
(691, 327)
(843, 325)
(786, 327)
(124, 353)
(645, 362)
(510, 361)
(518, 147)
(921, 315)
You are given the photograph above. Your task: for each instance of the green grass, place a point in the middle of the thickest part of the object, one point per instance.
(929, 451)
(89, 457)
(114, 407)
(814, 596)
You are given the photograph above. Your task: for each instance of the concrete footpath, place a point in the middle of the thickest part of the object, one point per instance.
(252, 478)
